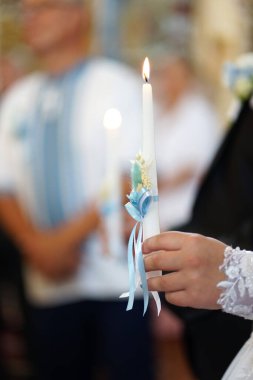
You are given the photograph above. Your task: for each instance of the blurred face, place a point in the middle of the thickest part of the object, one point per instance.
(177, 77)
(50, 23)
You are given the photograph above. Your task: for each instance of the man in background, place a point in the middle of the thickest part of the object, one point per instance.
(52, 168)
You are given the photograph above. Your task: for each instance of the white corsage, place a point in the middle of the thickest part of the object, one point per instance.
(238, 76)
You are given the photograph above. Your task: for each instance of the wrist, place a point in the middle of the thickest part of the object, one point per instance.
(25, 242)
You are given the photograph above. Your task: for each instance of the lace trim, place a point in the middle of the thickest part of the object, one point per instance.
(237, 297)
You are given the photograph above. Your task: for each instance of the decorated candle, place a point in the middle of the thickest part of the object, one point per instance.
(151, 221)
(143, 203)
(112, 203)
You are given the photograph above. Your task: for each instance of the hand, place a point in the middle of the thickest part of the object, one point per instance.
(52, 255)
(193, 262)
(55, 252)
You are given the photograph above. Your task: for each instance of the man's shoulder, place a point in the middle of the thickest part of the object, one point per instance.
(22, 90)
(108, 68)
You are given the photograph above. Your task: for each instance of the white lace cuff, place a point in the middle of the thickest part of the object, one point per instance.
(237, 297)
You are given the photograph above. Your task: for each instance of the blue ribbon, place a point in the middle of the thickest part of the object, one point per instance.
(137, 208)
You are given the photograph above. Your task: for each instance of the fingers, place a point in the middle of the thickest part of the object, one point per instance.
(179, 298)
(163, 260)
(165, 241)
(170, 282)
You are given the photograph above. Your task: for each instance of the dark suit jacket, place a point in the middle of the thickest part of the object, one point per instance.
(223, 209)
(224, 203)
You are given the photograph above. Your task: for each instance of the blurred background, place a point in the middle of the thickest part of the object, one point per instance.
(206, 32)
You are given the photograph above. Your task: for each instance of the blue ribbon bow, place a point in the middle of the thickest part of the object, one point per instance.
(137, 207)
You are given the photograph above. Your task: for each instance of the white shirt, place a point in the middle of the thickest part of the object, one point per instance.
(187, 136)
(56, 170)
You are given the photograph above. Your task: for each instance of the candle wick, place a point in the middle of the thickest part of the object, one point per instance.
(145, 78)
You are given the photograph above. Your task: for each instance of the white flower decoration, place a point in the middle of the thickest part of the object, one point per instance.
(238, 76)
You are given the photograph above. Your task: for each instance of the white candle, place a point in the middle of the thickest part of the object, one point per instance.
(151, 224)
(112, 218)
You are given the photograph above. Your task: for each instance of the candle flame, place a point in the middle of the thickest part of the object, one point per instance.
(146, 70)
(112, 119)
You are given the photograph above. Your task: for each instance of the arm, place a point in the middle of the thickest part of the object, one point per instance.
(54, 252)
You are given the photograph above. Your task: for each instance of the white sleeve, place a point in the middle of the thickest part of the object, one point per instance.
(237, 295)
(203, 136)
(128, 95)
(6, 170)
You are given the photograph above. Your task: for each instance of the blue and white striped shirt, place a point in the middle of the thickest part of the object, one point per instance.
(52, 157)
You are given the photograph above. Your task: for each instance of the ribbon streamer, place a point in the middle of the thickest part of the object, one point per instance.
(138, 208)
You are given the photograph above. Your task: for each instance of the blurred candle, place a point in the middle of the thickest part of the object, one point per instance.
(113, 219)
(151, 224)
